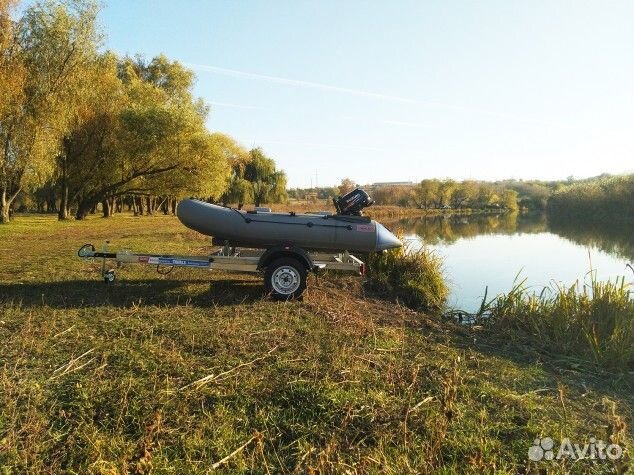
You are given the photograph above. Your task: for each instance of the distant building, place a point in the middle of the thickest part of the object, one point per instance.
(380, 184)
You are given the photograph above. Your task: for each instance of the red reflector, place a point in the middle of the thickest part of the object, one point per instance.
(362, 269)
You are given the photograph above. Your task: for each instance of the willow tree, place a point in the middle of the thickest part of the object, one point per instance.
(238, 189)
(509, 199)
(427, 192)
(204, 170)
(12, 80)
(143, 135)
(207, 170)
(47, 48)
(267, 183)
(465, 194)
(143, 141)
(82, 153)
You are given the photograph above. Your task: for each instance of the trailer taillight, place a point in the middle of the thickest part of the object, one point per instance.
(362, 269)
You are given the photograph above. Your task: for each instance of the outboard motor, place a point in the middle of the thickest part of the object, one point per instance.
(352, 203)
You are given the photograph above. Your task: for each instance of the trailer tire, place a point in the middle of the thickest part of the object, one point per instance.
(285, 279)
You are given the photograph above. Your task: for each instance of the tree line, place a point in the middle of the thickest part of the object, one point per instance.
(80, 127)
(603, 200)
(434, 193)
(429, 193)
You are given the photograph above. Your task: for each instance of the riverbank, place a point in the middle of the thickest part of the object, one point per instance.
(383, 211)
(182, 372)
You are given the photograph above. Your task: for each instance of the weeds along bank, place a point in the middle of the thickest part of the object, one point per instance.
(413, 277)
(591, 322)
(588, 322)
(198, 372)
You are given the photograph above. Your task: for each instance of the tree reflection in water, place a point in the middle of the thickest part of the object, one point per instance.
(614, 239)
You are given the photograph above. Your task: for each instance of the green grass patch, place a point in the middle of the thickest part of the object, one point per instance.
(194, 372)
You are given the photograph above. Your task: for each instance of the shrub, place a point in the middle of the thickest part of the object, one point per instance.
(414, 276)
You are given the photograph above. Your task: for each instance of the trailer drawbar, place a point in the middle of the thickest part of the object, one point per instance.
(284, 267)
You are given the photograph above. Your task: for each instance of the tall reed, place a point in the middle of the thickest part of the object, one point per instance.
(413, 275)
(592, 321)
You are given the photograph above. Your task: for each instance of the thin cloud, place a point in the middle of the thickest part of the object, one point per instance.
(299, 83)
(399, 123)
(231, 105)
(327, 145)
(534, 121)
(363, 93)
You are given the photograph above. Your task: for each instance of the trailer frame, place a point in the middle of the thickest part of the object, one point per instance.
(232, 259)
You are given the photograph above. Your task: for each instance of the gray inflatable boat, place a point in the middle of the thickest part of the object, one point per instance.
(263, 229)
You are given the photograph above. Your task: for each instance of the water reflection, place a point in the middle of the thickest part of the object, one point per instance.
(449, 228)
(614, 239)
(490, 250)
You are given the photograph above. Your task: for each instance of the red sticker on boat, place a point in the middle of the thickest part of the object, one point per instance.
(365, 228)
(144, 258)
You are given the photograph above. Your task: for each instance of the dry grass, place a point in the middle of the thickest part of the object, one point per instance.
(193, 372)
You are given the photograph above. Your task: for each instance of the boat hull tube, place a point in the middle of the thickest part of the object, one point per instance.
(266, 229)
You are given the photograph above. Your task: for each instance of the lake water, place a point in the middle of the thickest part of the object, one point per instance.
(483, 251)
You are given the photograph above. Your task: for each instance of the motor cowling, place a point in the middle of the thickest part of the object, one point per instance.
(352, 203)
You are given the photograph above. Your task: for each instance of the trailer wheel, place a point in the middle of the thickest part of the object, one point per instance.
(109, 276)
(285, 279)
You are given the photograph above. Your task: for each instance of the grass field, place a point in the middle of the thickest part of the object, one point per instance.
(196, 373)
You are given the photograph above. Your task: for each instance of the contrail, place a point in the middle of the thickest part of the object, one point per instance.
(298, 82)
(329, 145)
(398, 123)
(362, 93)
(229, 104)
(401, 123)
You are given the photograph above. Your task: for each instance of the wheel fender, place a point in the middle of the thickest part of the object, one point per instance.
(273, 253)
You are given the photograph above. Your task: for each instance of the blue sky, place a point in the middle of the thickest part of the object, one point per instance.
(386, 91)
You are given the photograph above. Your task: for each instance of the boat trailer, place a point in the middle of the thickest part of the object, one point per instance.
(284, 267)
